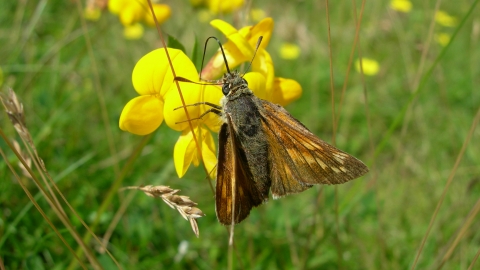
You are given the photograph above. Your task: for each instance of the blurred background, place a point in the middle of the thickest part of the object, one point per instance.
(411, 118)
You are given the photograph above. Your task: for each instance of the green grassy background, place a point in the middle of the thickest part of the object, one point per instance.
(380, 219)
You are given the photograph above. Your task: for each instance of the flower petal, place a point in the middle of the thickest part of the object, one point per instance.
(370, 66)
(152, 74)
(289, 51)
(208, 154)
(211, 94)
(162, 12)
(263, 28)
(134, 31)
(257, 14)
(256, 83)
(442, 38)
(92, 14)
(240, 47)
(216, 66)
(192, 93)
(443, 18)
(142, 115)
(235, 37)
(115, 6)
(185, 152)
(205, 15)
(220, 6)
(131, 13)
(224, 27)
(285, 91)
(401, 5)
(263, 63)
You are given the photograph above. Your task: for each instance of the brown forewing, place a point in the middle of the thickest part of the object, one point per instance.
(233, 172)
(298, 158)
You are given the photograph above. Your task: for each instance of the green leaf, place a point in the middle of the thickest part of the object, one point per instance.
(175, 44)
(195, 54)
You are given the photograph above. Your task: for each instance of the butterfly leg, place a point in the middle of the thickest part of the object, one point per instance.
(201, 103)
(212, 110)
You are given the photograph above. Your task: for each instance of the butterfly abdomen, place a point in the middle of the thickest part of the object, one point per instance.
(254, 145)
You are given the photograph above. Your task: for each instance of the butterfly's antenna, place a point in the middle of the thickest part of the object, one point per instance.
(205, 49)
(255, 53)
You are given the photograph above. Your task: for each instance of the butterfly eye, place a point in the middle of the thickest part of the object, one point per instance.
(225, 89)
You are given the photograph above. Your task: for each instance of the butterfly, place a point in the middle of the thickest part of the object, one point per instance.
(263, 148)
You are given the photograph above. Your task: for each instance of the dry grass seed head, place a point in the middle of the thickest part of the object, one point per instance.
(183, 204)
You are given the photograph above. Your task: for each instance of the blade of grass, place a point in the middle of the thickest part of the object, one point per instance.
(374, 172)
(32, 199)
(461, 233)
(467, 140)
(418, 75)
(332, 98)
(16, 114)
(421, 87)
(470, 267)
(34, 19)
(98, 89)
(37, 196)
(113, 190)
(123, 207)
(447, 185)
(358, 22)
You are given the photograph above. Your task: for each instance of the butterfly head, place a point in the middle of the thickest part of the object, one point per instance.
(234, 85)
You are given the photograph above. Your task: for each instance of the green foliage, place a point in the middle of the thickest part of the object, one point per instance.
(175, 44)
(381, 218)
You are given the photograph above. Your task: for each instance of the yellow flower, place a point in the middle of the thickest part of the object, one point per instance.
(289, 51)
(286, 91)
(240, 48)
(92, 14)
(160, 100)
(185, 151)
(162, 12)
(257, 14)
(442, 38)
(153, 81)
(442, 18)
(204, 15)
(219, 6)
(134, 31)
(401, 5)
(132, 12)
(93, 9)
(370, 66)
